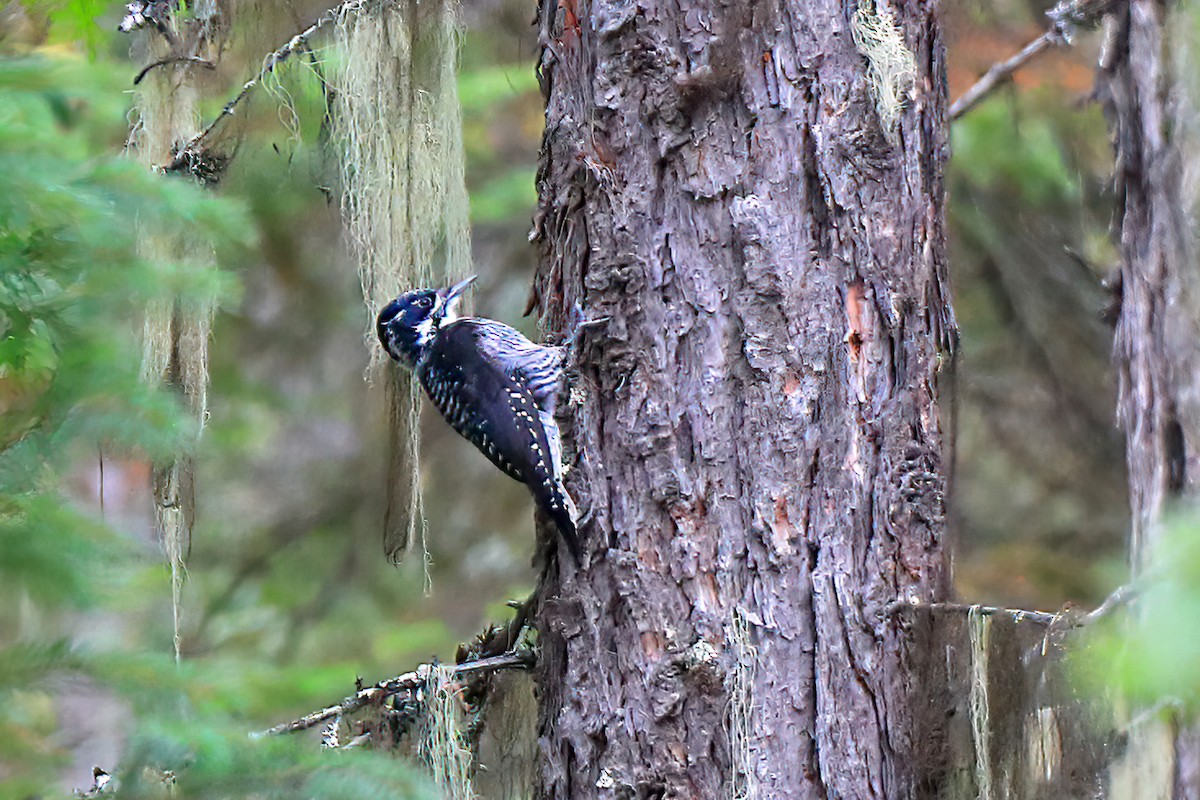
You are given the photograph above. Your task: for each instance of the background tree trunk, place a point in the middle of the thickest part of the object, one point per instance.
(1147, 80)
(751, 193)
(1156, 351)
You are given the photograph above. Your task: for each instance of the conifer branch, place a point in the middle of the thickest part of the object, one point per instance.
(273, 59)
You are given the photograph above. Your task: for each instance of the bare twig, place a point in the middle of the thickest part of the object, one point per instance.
(1120, 596)
(272, 60)
(162, 62)
(1065, 18)
(1002, 72)
(409, 680)
(1016, 614)
(357, 741)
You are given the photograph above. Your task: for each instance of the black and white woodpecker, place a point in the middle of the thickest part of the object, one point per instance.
(494, 386)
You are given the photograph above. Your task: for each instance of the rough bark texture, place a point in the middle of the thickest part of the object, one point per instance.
(1144, 84)
(1158, 329)
(507, 757)
(755, 433)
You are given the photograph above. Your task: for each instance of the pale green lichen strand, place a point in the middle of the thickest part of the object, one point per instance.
(891, 66)
(397, 128)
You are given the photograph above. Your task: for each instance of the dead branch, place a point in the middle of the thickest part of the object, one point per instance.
(523, 659)
(1015, 614)
(1066, 18)
(1121, 596)
(272, 60)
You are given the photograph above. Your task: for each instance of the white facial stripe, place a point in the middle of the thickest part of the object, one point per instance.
(447, 309)
(425, 331)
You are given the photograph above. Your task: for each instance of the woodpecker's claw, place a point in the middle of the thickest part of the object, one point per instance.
(578, 324)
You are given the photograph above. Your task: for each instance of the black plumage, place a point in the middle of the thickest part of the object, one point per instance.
(492, 385)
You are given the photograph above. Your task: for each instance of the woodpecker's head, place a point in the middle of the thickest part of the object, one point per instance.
(408, 324)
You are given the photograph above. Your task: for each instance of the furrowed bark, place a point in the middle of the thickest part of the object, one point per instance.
(755, 433)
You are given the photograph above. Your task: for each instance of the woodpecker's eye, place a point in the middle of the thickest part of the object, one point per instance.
(424, 302)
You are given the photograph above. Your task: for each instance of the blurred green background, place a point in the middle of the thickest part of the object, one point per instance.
(288, 596)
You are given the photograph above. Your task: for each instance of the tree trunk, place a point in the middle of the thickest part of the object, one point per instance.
(1156, 352)
(751, 194)
(1144, 81)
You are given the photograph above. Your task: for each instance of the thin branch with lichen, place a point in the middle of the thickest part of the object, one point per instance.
(415, 679)
(273, 59)
(1120, 597)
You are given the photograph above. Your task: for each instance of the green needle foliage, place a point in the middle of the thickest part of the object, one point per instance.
(72, 294)
(1150, 652)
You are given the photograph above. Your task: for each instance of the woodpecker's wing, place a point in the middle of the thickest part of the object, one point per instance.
(493, 409)
(538, 367)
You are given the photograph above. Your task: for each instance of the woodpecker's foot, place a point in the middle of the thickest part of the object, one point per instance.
(578, 323)
(520, 621)
(585, 517)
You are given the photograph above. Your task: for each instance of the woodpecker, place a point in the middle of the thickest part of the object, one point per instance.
(496, 388)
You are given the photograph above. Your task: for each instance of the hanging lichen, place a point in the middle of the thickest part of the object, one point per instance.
(397, 130)
(741, 647)
(176, 333)
(979, 628)
(443, 745)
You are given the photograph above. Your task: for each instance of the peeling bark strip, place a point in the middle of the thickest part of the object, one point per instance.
(758, 449)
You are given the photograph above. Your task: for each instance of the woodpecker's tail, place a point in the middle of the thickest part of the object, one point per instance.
(561, 508)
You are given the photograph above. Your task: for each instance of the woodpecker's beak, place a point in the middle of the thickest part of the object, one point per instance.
(448, 298)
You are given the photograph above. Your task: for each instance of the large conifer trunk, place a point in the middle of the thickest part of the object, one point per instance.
(755, 432)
